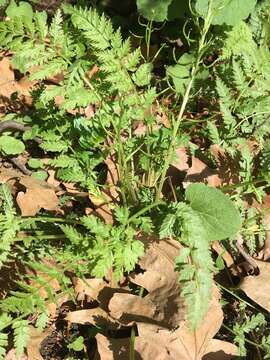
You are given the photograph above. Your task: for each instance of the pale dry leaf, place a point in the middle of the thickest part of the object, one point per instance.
(31, 201)
(159, 343)
(11, 355)
(10, 178)
(163, 286)
(88, 288)
(95, 316)
(7, 78)
(181, 162)
(112, 349)
(30, 182)
(193, 344)
(112, 177)
(257, 287)
(89, 111)
(105, 213)
(7, 174)
(119, 349)
(8, 84)
(128, 308)
(200, 172)
(34, 342)
(264, 208)
(52, 180)
(221, 251)
(220, 350)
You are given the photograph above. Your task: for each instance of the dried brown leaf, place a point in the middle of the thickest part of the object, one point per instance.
(155, 342)
(11, 355)
(220, 350)
(34, 342)
(30, 182)
(193, 345)
(163, 286)
(128, 308)
(35, 199)
(8, 84)
(200, 172)
(88, 288)
(96, 316)
(257, 287)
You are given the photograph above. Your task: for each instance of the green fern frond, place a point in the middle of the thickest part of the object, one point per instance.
(21, 336)
(63, 161)
(96, 28)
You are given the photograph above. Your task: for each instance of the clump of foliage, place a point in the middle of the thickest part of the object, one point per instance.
(102, 69)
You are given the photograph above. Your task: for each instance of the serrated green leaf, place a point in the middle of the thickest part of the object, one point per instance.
(21, 336)
(229, 12)
(166, 228)
(142, 76)
(156, 10)
(42, 321)
(219, 216)
(11, 146)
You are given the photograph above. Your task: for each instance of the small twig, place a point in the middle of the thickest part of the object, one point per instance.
(15, 161)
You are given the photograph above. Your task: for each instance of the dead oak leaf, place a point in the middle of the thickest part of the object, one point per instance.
(257, 287)
(31, 201)
(88, 288)
(8, 84)
(34, 342)
(200, 172)
(156, 342)
(128, 308)
(95, 316)
(193, 344)
(162, 285)
(220, 350)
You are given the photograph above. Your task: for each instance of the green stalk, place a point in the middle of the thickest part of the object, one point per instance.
(177, 123)
(144, 210)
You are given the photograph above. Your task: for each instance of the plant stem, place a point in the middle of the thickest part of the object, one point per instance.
(42, 237)
(51, 220)
(132, 344)
(144, 210)
(177, 123)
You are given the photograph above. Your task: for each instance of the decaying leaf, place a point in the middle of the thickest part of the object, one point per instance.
(88, 288)
(194, 344)
(163, 286)
(129, 308)
(96, 316)
(11, 355)
(200, 172)
(35, 340)
(33, 200)
(156, 342)
(8, 84)
(220, 350)
(257, 287)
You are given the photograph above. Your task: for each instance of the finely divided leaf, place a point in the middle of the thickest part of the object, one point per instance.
(219, 216)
